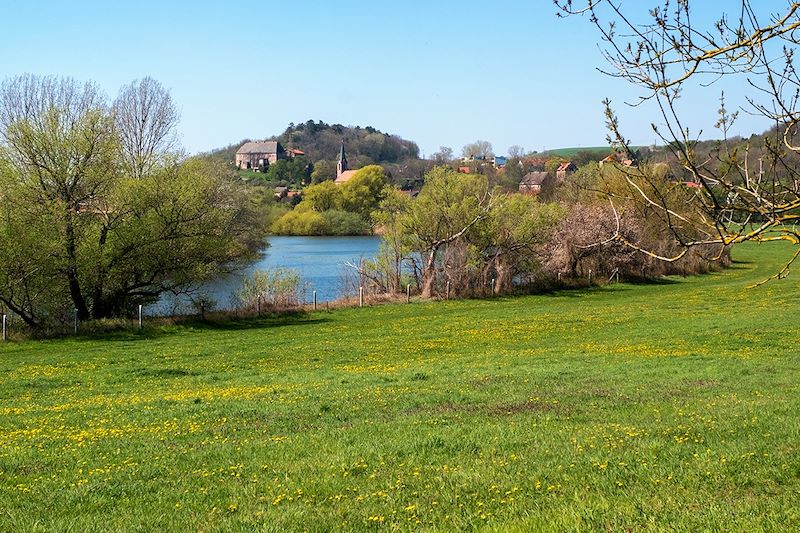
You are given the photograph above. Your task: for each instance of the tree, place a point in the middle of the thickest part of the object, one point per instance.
(364, 191)
(516, 226)
(448, 206)
(101, 238)
(59, 139)
(443, 156)
(478, 149)
(324, 170)
(146, 119)
(516, 152)
(296, 170)
(323, 196)
(742, 194)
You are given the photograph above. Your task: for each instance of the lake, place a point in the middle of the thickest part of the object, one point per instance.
(320, 261)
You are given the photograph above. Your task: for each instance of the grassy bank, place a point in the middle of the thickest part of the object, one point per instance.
(641, 406)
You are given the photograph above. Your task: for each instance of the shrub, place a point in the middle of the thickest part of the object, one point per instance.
(345, 223)
(276, 289)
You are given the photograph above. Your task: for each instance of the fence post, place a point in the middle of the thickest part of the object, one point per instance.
(141, 322)
(361, 296)
(5, 334)
(492, 286)
(258, 305)
(590, 276)
(408, 293)
(447, 291)
(76, 322)
(559, 277)
(314, 295)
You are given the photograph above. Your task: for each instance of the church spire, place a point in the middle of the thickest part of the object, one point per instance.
(342, 165)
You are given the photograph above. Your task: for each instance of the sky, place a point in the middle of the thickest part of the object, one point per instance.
(438, 73)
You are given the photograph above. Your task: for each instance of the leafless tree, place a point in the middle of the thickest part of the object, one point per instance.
(741, 195)
(146, 120)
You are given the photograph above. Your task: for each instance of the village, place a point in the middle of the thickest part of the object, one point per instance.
(257, 156)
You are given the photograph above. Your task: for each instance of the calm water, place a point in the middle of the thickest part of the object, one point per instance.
(320, 261)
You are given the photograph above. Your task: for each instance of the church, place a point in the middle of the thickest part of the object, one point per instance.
(343, 173)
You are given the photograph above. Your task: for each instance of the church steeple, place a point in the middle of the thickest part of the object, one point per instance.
(342, 165)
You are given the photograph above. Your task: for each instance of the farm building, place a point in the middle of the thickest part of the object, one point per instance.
(565, 169)
(259, 155)
(532, 182)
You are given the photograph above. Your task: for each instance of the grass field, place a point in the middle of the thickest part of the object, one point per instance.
(572, 152)
(645, 407)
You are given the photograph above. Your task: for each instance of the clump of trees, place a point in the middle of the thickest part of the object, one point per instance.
(459, 233)
(337, 209)
(463, 236)
(99, 211)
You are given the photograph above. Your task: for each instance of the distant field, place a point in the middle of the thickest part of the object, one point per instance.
(572, 152)
(670, 406)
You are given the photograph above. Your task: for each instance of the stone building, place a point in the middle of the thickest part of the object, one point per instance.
(259, 155)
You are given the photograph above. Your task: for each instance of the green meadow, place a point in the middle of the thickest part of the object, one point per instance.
(665, 406)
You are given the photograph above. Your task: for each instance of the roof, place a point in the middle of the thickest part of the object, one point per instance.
(566, 165)
(266, 147)
(345, 176)
(533, 178)
(295, 151)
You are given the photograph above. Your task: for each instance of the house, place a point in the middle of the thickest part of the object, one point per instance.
(259, 155)
(565, 169)
(532, 182)
(621, 158)
(500, 161)
(343, 173)
(281, 192)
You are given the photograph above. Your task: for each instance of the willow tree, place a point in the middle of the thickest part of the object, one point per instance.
(81, 230)
(746, 191)
(448, 206)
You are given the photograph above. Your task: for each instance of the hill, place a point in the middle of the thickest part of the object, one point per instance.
(364, 146)
(632, 407)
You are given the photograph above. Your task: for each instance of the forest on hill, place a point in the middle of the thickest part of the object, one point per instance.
(365, 146)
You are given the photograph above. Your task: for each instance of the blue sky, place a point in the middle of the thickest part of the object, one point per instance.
(438, 73)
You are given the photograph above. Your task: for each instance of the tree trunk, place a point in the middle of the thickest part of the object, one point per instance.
(503, 281)
(72, 268)
(429, 274)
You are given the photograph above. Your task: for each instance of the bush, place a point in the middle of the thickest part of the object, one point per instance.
(345, 223)
(332, 222)
(299, 222)
(276, 289)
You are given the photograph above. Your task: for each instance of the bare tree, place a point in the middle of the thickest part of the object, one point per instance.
(516, 151)
(146, 118)
(482, 149)
(745, 192)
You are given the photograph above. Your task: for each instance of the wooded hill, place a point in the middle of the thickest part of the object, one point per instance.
(364, 146)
